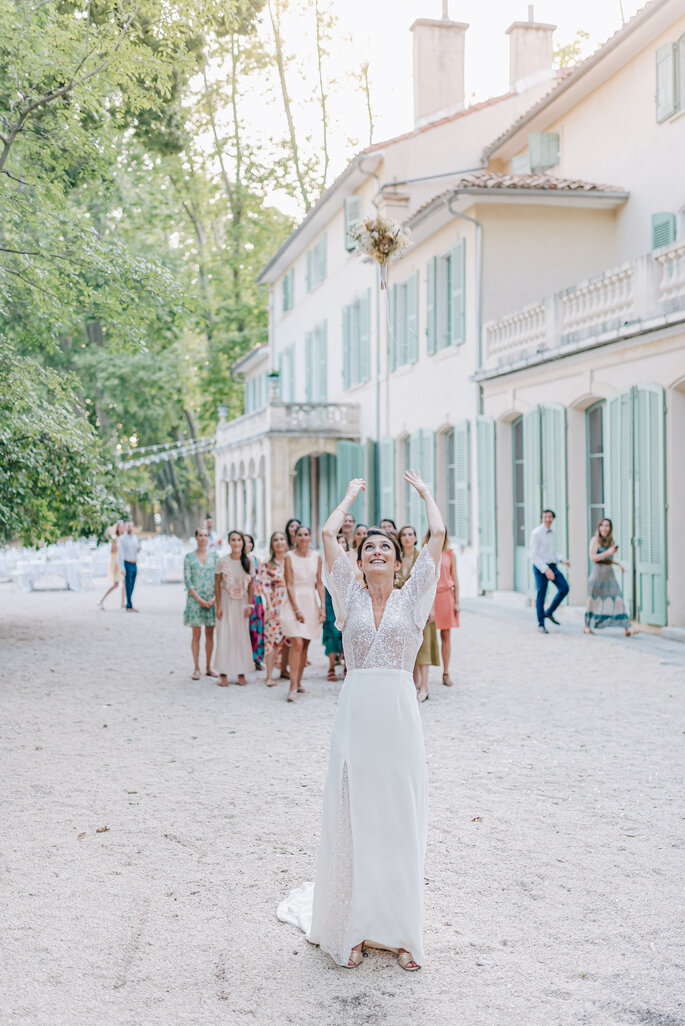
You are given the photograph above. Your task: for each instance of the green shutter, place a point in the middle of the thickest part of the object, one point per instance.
(665, 82)
(415, 503)
(663, 229)
(309, 366)
(554, 470)
(322, 248)
(347, 348)
(680, 71)
(520, 164)
(350, 464)
(321, 391)
(461, 483)
(353, 215)
(387, 470)
(543, 150)
(365, 336)
(308, 272)
(431, 306)
(531, 478)
(422, 454)
(618, 482)
(458, 293)
(328, 487)
(303, 507)
(391, 300)
(487, 504)
(281, 373)
(650, 505)
(412, 333)
(290, 355)
(370, 512)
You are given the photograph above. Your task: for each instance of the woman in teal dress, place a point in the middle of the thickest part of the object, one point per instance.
(199, 570)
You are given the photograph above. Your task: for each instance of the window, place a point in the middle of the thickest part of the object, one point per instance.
(663, 229)
(316, 264)
(670, 79)
(287, 374)
(543, 150)
(256, 390)
(595, 466)
(520, 164)
(403, 332)
(519, 485)
(316, 358)
(445, 299)
(353, 215)
(357, 341)
(457, 471)
(406, 462)
(288, 290)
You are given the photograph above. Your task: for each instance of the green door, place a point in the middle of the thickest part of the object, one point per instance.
(619, 485)
(487, 506)
(519, 494)
(553, 438)
(650, 504)
(350, 464)
(387, 471)
(303, 506)
(328, 486)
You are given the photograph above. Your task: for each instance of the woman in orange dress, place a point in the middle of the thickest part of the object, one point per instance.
(446, 605)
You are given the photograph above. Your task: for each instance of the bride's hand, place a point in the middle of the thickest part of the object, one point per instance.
(356, 485)
(417, 482)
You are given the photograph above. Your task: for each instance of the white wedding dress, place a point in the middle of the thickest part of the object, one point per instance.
(369, 876)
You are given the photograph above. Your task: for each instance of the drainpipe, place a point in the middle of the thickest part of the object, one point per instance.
(479, 289)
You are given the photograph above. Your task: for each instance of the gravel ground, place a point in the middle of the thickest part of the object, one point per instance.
(556, 836)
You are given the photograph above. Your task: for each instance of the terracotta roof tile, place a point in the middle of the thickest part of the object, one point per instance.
(497, 181)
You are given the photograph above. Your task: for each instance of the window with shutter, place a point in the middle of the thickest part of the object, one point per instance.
(532, 474)
(353, 215)
(431, 305)
(406, 450)
(553, 437)
(322, 247)
(680, 72)
(290, 362)
(391, 299)
(414, 462)
(321, 362)
(412, 308)
(365, 336)
(370, 511)
(457, 293)
(543, 150)
(309, 366)
(461, 484)
(663, 229)
(520, 164)
(665, 82)
(347, 348)
(288, 290)
(650, 504)
(309, 270)
(487, 508)
(281, 377)
(619, 483)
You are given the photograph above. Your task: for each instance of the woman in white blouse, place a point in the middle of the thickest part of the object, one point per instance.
(369, 878)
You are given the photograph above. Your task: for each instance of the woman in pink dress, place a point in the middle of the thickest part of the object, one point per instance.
(234, 592)
(301, 615)
(446, 605)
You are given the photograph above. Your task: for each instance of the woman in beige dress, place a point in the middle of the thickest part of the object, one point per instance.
(115, 572)
(234, 591)
(302, 615)
(429, 653)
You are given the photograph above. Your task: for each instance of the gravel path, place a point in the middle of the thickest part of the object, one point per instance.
(556, 834)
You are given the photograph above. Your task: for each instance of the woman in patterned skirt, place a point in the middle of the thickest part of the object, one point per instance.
(257, 614)
(605, 607)
(198, 576)
(270, 584)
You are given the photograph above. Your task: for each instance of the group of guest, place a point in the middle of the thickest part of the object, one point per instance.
(268, 612)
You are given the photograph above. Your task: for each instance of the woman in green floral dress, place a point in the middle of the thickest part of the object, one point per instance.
(199, 569)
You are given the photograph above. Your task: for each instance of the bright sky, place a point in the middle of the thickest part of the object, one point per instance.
(381, 30)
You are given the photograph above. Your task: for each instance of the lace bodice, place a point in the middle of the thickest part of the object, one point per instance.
(398, 638)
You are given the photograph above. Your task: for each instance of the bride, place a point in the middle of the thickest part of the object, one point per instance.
(369, 877)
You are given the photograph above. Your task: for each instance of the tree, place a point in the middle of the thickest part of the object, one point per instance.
(573, 52)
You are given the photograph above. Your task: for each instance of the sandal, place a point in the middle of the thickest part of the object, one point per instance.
(356, 958)
(291, 697)
(405, 959)
(302, 691)
(223, 681)
(270, 682)
(331, 675)
(211, 673)
(446, 680)
(422, 696)
(588, 630)
(196, 675)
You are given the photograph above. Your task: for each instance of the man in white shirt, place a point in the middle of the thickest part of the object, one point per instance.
(213, 542)
(544, 555)
(128, 548)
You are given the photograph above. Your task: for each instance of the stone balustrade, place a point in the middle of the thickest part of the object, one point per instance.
(332, 420)
(613, 305)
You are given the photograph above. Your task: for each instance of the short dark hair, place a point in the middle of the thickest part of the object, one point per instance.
(389, 520)
(379, 530)
(549, 511)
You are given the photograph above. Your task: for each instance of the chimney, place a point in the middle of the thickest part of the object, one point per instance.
(438, 67)
(531, 52)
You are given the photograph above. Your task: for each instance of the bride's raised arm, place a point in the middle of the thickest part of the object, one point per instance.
(436, 525)
(331, 529)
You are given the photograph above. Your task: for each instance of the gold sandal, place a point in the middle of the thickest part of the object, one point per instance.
(404, 958)
(356, 958)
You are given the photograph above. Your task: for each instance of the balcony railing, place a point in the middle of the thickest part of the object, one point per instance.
(329, 420)
(616, 304)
